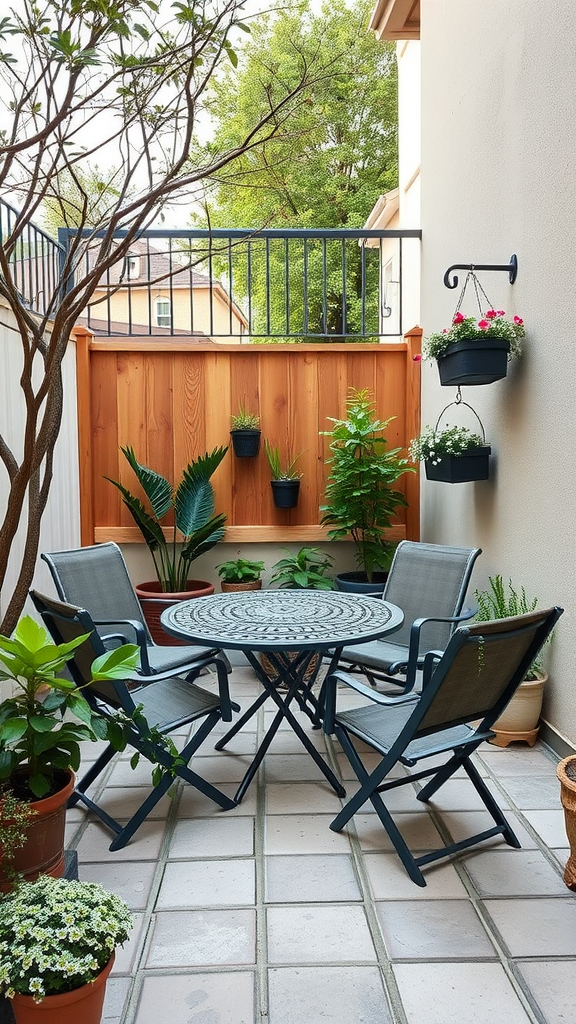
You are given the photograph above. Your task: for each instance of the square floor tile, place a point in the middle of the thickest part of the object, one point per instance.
(291, 767)
(418, 830)
(521, 760)
(317, 879)
(213, 837)
(333, 995)
(389, 880)
(550, 827)
(458, 993)
(121, 802)
(460, 795)
(202, 938)
(305, 797)
(223, 998)
(206, 883)
(533, 792)
(512, 873)
(144, 845)
(303, 833)
(132, 881)
(225, 768)
(194, 804)
(433, 930)
(553, 986)
(462, 824)
(538, 927)
(126, 955)
(308, 934)
(242, 743)
(115, 999)
(400, 800)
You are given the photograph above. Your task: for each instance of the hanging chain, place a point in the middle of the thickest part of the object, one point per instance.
(471, 276)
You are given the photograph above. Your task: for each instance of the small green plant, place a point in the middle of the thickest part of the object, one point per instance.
(493, 324)
(433, 445)
(15, 817)
(500, 602)
(244, 420)
(56, 935)
(305, 570)
(240, 570)
(277, 469)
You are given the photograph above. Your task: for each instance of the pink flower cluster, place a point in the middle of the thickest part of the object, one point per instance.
(490, 314)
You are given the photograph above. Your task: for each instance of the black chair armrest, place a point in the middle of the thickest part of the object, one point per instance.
(415, 660)
(139, 638)
(338, 676)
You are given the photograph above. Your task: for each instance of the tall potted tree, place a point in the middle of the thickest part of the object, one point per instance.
(194, 518)
(360, 497)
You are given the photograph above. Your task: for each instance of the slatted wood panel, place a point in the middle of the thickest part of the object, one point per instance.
(173, 400)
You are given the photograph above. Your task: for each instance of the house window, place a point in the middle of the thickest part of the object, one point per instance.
(163, 313)
(132, 267)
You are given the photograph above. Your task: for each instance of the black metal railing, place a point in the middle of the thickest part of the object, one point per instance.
(298, 284)
(33, 260)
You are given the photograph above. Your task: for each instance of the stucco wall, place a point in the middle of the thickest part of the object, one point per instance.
(498, 142)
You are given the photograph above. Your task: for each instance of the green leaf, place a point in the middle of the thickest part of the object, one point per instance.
(12, 730)
(39, 785)
(41, 724)
(120, 663)
(156, 488)
(134, 760)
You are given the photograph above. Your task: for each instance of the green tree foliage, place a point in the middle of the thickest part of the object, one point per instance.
(332, 155)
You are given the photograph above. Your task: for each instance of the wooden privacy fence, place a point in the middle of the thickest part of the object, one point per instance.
(172, 400)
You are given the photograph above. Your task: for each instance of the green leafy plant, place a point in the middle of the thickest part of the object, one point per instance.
(40, 733)
(433, 445)
(305, 570)
(244, 420)
(192, 503)
(501, 602)
(493, 324)
(56, 935)
(361, 499)
(240, 570)
(15, 817)
(279, 470)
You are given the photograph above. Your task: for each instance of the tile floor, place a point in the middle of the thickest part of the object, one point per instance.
(262, 914)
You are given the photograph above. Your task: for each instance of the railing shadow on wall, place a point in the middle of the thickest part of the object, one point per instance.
(171, 400)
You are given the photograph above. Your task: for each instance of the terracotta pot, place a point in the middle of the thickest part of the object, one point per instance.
(519, 720)
(566, 772)
(80, 1006)
(229, 588)
(154, 602)
(43, 851)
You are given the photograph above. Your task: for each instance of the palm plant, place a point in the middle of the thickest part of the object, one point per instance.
(192, 502)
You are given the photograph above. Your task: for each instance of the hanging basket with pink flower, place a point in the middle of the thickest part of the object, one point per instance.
(475, 350)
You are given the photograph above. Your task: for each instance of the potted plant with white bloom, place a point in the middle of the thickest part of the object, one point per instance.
(57, 942)
(475, 351)
(452, 455)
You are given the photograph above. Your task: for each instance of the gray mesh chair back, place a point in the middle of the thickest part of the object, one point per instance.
(149, 711)
(464, 692)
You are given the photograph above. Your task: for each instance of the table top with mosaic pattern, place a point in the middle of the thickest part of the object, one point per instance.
(282, 620)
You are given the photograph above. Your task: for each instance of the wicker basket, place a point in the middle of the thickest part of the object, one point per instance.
(272, 673)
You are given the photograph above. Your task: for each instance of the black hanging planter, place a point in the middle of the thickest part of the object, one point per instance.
(245, 442)
(474, 362)
(459, 469)
(285, 493)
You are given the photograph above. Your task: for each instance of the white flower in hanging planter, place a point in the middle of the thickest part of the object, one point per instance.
(434, 445)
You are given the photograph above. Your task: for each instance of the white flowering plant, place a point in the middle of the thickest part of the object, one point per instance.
(434, 445)
(56, 935)
(492, 325)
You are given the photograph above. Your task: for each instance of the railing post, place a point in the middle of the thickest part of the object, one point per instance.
(413, 363)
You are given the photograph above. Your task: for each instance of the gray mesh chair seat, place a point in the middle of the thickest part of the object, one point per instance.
(429, 583)
(464, 690)
(150, 710)
(96, 578)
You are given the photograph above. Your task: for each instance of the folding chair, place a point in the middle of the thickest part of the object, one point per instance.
(429, 583)
(464, 692)
(166, 704)
(96, 578)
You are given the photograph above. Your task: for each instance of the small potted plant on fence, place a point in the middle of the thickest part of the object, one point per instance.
(475, 351)
(240, 574)
(40, 737)
(57, 942)
(245, 434)
(285, 480)
(192, 503)
(453, 455)
(361, 499)
(519, 720)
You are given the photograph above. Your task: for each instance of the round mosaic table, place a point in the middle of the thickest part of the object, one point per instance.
(290, 627)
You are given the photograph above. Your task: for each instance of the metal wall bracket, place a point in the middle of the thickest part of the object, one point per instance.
(511, 267)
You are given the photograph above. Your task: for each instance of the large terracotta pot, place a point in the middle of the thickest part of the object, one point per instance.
(43, 851)
(80, 1006)
(566, 772)
(154, 602)
(519, 720)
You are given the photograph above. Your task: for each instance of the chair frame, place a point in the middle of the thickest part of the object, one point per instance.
(456, 736)
(122, 695)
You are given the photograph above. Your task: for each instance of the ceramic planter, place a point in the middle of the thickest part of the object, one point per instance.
(80, 1006)
(459, 469)
(566, 772)
(519, 720)
(285, 493)
(43, 851)
(154, 602)
(245, 442)
(473, 362)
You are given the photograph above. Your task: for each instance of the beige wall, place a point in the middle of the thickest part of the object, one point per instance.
(140, 312)
(498, 144)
